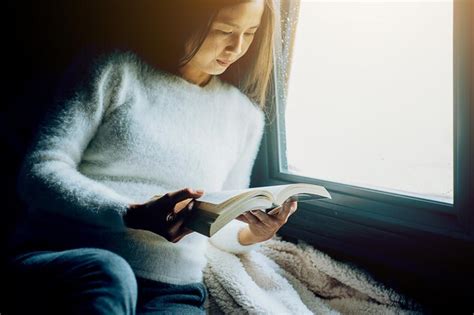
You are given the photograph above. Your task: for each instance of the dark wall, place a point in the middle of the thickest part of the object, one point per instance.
(40, 39)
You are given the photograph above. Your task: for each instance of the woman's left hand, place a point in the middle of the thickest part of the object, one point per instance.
(263, 226)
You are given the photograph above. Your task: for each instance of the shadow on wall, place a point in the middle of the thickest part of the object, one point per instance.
(42, 39)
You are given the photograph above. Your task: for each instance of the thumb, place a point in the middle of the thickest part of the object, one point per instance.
(183, 211)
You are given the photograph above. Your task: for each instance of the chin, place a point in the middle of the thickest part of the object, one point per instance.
(217, 71)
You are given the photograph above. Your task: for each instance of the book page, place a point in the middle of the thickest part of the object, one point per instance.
(280, 193)
(301, 192)
(219, 197)
(275, 190)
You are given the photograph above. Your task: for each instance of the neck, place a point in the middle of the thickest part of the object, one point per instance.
(194, 76)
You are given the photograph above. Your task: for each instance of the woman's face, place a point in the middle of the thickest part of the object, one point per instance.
(229, 38)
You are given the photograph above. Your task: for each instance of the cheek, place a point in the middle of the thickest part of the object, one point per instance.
(205, 57)
(203, 52)
(210, 50)
(213, 43)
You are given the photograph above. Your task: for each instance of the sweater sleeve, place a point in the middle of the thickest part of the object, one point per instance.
(49, 179)
(239, 178)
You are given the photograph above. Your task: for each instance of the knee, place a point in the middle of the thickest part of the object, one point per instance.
(113, 274)
(112, 266)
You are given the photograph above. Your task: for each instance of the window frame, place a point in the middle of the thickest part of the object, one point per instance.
(384, 210)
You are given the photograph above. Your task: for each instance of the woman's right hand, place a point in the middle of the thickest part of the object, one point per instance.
(164, 215)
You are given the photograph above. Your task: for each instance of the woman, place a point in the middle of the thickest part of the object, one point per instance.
(127, 127)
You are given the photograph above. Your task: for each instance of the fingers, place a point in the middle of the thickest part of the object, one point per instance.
(274, 210)
(180, 214)
(288, 208)
(258, 216)
(284, 212)
(179, 199)
(165, 215)
(294, 206)
(251, 219)
(184, 193)
(177, 229)
(183, 204)
(242, 218)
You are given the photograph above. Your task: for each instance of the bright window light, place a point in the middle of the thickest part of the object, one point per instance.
(370, 96)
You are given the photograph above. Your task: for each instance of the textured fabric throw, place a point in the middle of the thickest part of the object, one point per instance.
(283, 278)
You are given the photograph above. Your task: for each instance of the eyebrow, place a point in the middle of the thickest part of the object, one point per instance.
(236, 25)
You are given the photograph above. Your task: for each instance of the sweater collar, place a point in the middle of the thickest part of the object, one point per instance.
(211, 85)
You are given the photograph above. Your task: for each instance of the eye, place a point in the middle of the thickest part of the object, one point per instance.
(225, 32)
(249, 34)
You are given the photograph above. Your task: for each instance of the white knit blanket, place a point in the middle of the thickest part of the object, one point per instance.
(283, 278)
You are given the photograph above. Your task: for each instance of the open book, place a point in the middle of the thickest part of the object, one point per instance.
(216, 209)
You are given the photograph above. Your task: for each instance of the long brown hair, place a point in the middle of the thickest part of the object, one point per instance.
(252, 72)
(164, 27)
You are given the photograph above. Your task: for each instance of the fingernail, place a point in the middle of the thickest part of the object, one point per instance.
(199, 191)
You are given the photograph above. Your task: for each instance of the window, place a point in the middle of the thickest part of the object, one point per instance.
(373, 102)
(371, 85)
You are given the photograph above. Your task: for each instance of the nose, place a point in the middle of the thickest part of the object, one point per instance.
(235, 44)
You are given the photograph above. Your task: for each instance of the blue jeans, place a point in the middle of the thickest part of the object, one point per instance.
(93, 281)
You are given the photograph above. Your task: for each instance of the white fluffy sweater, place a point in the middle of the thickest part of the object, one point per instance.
(122, 133)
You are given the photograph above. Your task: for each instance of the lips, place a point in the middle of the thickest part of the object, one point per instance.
(224, 62)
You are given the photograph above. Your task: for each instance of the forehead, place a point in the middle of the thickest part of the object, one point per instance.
(242, 14)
